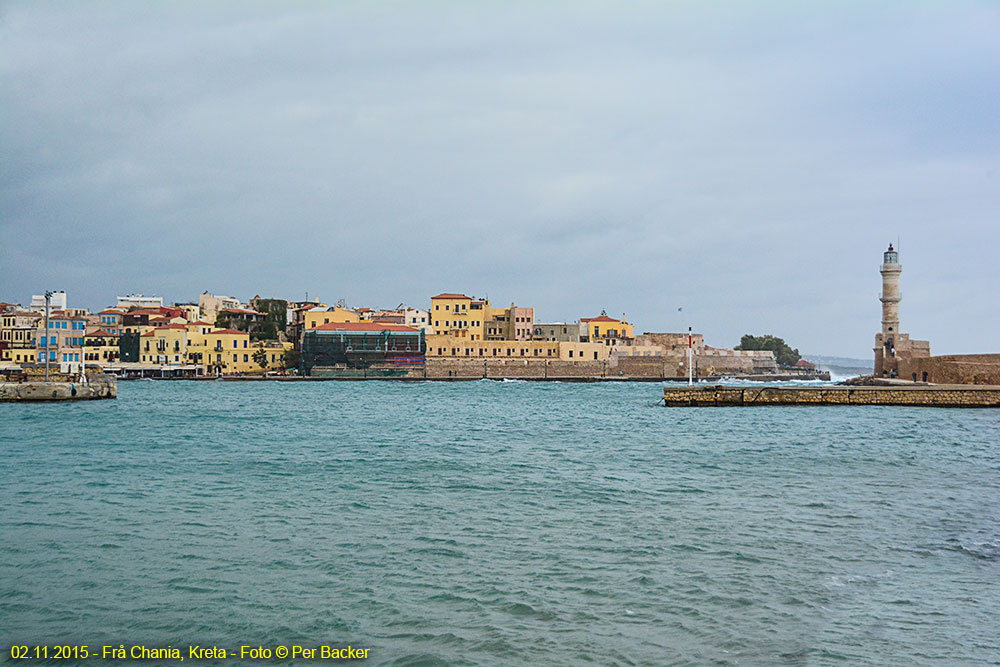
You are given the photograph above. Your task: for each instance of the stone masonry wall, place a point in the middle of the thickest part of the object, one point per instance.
(760, 396)
(978, 369)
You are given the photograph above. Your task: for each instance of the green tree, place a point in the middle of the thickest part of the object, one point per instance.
(260, 357)
(785, 355)
(292, 359)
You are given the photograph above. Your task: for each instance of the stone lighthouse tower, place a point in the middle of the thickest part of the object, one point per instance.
(892, 346)
(891, 268)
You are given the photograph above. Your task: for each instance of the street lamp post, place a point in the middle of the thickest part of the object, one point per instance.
(48, 297)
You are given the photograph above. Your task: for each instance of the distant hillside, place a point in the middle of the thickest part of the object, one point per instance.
(841, 367)
(840, 361)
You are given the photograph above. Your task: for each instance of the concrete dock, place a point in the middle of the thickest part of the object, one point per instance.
(940, 396)
(96, 388)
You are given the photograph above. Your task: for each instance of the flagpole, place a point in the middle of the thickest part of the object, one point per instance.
(690, 364)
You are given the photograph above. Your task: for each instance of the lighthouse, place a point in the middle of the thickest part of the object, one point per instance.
(891, 268)
(894, 351)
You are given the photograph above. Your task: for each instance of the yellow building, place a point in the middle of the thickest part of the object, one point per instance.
(274, 355)
(190, 311)
(460, 316)
(319, 317)
(224, 352)
(102, 348)
(17, 336)
(167, 344)
(571, 351)
(608, 330)
(18, 355)
(446, 346)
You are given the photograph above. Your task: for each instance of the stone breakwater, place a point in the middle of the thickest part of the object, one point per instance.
(929, 396)
(58, 391)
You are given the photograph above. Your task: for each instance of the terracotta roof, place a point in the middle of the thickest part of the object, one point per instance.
(600, 318)
(229, 331)
(450, 295)
(172, 326)
(363, 326)
(102, 333)
(207, 324)
(362, 310)
(148, 333)
(159, 319)
(110, 311)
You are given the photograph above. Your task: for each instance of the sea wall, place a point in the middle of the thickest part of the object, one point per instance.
(719, 395)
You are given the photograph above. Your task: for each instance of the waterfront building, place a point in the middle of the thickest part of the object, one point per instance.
(166, 344)
(511, 323)
(138, 301)
(102, 348)
(569, 332)
(362, 345)
(608, 330)
(62, 342)
(274, 355)
(443, 346)
(220, 351)
(459, 315)
(17, 335)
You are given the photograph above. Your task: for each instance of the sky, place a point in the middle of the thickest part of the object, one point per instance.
(745, 162)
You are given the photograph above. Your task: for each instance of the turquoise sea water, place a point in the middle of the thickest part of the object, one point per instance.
(499, 523)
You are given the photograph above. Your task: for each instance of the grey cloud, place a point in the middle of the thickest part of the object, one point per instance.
(747, 163)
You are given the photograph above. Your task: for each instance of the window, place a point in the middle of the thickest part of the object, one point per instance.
(571, 354)
(447, 307)
(437, 307)
(235, 344)
(595, 355)
(235, 359)
(245, 341)
(246, 358)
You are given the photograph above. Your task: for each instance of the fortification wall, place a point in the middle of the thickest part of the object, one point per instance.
(974, 369)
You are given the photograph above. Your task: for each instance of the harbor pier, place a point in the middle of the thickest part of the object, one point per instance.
(940, 396)
(96, 387)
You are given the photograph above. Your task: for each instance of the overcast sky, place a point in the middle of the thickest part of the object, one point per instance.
(748, 162)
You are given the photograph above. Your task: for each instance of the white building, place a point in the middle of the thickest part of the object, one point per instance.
(57, 302)
(139, 301)
(211, 304)
(418, 319)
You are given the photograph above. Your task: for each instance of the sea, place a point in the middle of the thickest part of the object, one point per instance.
(498, 523)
